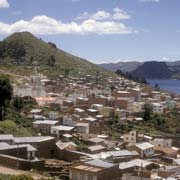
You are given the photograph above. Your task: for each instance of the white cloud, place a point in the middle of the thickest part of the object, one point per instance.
(4, 4)
(117, 14)
(149, 0)
(99, 15)
(44, 25)
(120, 14)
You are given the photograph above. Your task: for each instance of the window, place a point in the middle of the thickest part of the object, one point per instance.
(81, 176)
(90, 177)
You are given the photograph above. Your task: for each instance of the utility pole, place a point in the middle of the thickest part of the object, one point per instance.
(17, 156)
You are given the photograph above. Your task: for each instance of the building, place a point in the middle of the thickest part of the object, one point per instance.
(94, 170)
(60, 130)
(157, 108)
(131, 137)
(44, 126)
(45, 145)
(161, 142)
(145, 149)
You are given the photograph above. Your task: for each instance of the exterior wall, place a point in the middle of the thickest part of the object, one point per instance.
(20, 152)
(162, 142)
(82, 129)
(75, 175)
(45, 149)
(22, 164)
(105, 174)
(149, 152)
(68, 155)
(131, 137)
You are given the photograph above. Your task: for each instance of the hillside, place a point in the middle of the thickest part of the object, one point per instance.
(153, 70)
(34, 50)
(149, 69)
(123, 66)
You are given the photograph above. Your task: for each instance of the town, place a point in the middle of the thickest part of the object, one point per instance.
(86, 128)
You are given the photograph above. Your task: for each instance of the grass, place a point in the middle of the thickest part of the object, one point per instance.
(40, 52)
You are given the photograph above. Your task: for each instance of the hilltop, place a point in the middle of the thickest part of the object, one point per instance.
(149, 69)
(21, 50)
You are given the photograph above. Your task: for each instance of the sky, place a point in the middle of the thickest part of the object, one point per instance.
(100, 30)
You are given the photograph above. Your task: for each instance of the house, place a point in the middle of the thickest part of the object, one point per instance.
(157, 108)
(44, 126)
(168, 171)
(127, 167)
(119, 156)
(95, 125)
(68, 121)
(46, 100)
(21, 156)
(24, 151)
(145, 149)
(92, 112)
(94, 170)
(161, 142)
(80, 112)
(60, 130)
(96, 149)
(131, 137)
(166, 151)
(65, 151)
(96, 140)
(7, 138)
(82, 128)
(68, 103)
(45, 145)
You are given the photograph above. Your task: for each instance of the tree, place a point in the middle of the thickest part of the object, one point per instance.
(6, 92)
(66, 72)
(18, 103)
(147, 112)
(51, 60)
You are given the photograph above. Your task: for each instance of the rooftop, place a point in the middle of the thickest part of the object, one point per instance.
(33, 139)
(144, 145)
(63, 128)
(100, 163)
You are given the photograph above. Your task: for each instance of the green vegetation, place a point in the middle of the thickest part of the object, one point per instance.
(116, 128)
(51, 60)
(13, 119)
(5, 96)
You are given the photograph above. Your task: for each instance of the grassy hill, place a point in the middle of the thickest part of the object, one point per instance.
(39, 51)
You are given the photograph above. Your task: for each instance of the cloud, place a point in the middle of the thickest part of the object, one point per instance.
(117, 14)
(44, 25)
(4, 4)
(120, 14)
(99, 15)
(149, 1)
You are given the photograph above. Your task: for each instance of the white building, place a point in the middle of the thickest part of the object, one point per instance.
(162, 142)
(145, 149)
(157, 108)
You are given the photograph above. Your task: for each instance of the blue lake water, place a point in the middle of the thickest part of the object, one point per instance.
(171, 85)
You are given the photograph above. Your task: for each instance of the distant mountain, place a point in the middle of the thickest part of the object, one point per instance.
(20, 50)
(149, 69)
(123, 66)
(153, 70)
